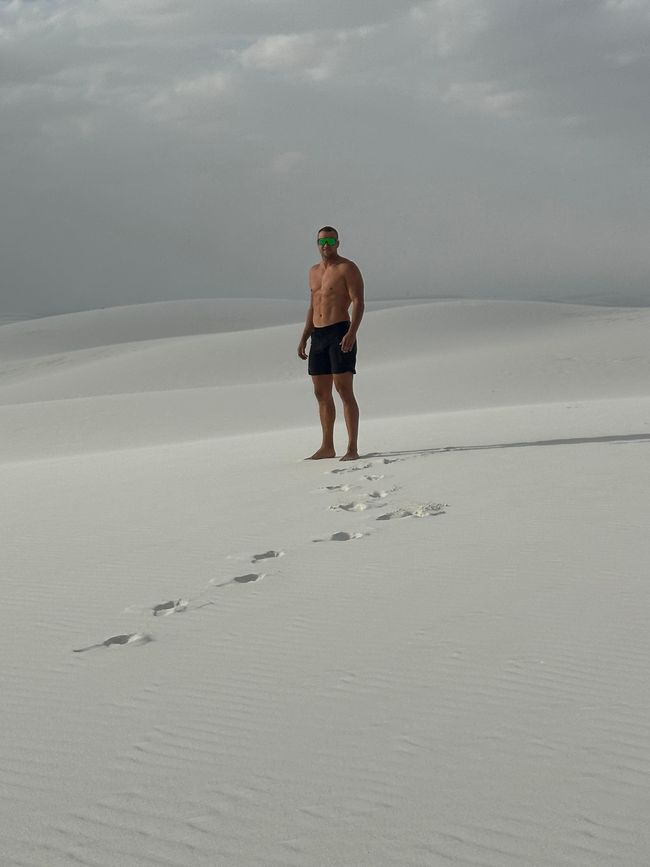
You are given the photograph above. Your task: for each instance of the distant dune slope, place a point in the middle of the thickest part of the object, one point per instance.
(135, 323)
(441, 356)
(453, 331)
(138, 322)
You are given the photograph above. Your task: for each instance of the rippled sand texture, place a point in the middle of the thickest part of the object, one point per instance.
(194, 670)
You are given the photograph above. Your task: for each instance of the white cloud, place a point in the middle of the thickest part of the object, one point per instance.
(287, 162)
(281, 51)
(452, 25)
(628, 5)
(201, 98)
(313, 56)
(207, 85)
(484, 97)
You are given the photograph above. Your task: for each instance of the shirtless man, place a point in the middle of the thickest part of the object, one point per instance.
(335, 284)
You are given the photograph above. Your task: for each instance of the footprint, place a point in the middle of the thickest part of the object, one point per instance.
(344, 488)
(374, 478)
(351, 469)
(246, 579)
(428, 510)
(342, 537)
(133, 638)
(349, 507)
(239, 579)
(345, 537)
(174, 606)
(267, 555)
(398, 513)
(380, 495)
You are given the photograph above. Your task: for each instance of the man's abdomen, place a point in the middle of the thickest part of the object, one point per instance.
(330, 314)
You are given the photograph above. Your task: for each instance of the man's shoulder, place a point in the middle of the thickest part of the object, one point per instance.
(347, 263)
(349, 266)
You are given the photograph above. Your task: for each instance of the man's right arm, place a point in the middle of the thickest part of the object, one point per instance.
(306, 334)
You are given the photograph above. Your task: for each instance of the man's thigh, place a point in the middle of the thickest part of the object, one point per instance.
(342, 362)
(319, 362)
(323, 384)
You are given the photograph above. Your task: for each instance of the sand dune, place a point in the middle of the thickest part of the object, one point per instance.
(92, 329)
(138, 322)
(440, 357)
(433, 656)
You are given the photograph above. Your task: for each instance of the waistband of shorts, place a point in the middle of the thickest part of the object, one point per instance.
(333, 327)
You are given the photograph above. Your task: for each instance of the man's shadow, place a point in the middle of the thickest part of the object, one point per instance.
(621, 438)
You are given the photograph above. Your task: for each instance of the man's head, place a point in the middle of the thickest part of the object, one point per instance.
(328, 242)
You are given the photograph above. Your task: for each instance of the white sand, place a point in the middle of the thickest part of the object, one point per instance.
(462, 681)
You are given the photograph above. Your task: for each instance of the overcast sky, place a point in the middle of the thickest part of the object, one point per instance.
(164, 149)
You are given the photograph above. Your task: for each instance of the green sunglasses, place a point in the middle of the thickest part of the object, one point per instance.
(330, 242)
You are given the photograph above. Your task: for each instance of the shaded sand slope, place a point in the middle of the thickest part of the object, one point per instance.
(451, 331)
(443, 356)
(114, 325)
(73, 332)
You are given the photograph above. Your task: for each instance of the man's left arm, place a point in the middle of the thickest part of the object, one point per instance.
(354, 282)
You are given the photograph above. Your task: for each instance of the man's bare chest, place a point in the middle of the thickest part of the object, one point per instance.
(329, 283)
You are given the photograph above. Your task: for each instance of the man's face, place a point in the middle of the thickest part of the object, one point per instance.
(327, 250)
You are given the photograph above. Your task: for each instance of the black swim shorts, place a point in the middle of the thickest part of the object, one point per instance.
(325, 353)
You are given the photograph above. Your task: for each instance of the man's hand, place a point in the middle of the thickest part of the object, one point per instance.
(348, 341)
(302, 349)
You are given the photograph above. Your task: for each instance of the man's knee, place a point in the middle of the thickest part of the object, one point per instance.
(322, 388)
(345, 387)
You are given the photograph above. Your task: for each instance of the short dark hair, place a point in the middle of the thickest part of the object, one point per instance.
(330, 230)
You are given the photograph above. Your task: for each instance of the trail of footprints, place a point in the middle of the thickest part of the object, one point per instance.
(370, 500)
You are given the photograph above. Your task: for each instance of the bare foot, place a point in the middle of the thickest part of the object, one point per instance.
(321, 454)
(351, 456)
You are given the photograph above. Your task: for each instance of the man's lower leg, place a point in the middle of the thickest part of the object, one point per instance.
(327, 412)
(351, 412)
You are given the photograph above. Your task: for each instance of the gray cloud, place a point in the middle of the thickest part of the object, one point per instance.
(156, 149)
